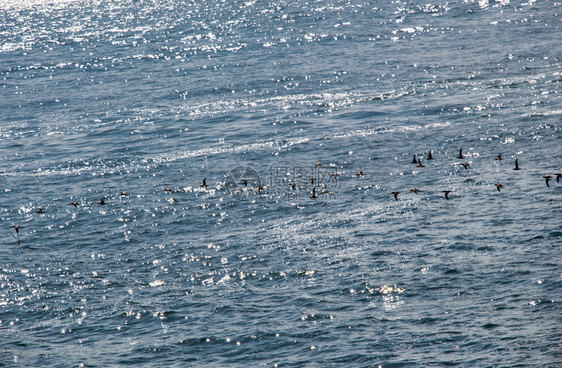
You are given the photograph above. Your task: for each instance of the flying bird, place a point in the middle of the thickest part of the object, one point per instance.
(16, 228)
(429, 156)
(204, 184)
(40, 210)
(499, 187)
(465, 165)
(102, 200)
(558, 177)
(547, 180)
(414, 160)
(460, 154)
(75, 204)
(499, 158)
(516, 165)
(395, 194)
(446, 193)
(360, 173)
(415, 190)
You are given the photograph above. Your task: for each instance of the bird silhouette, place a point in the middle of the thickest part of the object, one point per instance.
(516, 165)
(446, 193)
(429, 156)
(547, 180)
(499, 187)
(460, 154)
(395, 194)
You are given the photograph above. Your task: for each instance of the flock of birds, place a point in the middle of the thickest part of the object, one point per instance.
(416, 160)
(258, 187)
(466, 165)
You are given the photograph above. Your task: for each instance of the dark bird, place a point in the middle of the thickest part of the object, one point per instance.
(558, 177)
(123, 194)
(360, 173)
(414, 160)
(395, 194)
(465, 165)
(40, 210)
(420, 164)
(516, 165)
(312, 180)
(259, 188)
(499, 158)
(460, 154)
(325, 190)
(446, 193)
(75, 204)
(102, 200)
(167, 189)
(547, 180)
(499, 187)
(245, 181)
(335, 175)
(293, 186)
(415, 190)
(429, 156)
(204, 184)
(313, 195)
(319, 163)
(16, 228)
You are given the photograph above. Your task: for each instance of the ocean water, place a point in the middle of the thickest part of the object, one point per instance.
(152, 97)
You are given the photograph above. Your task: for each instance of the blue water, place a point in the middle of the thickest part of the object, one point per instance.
(152, 96)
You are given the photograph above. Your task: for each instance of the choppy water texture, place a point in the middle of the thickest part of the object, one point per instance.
(150, 97)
